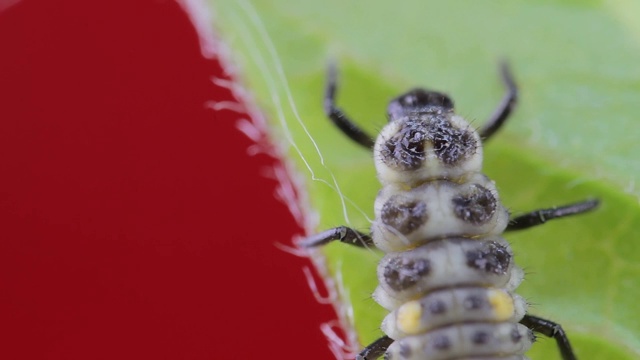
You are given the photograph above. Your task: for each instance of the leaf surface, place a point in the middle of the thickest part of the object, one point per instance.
(574, 134)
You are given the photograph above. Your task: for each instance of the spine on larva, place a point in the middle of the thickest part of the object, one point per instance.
(447, 278)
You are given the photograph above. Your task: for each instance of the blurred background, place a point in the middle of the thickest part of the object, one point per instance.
(133, 224)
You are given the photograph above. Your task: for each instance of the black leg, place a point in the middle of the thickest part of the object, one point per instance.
(339, 118)
(342, 233)
(375, 349)
(550, 329)
(539, 217)
(505, 107)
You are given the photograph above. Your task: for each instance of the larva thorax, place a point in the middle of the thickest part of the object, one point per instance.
(447, 277)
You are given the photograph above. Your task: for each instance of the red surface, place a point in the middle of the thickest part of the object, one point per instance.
(132, 223)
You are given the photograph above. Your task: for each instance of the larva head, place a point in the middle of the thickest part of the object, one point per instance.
(426, 140)
(418, 100)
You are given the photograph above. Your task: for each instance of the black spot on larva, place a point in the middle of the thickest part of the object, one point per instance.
(405, 150)
(441, 342)
(480, 337)
(476, 206)
(401, 273)
(490, 257)
(451, 144)
(405, 350)
(473, 302)
(437, 307)
(404, 216)
(515, 335)
(387, 356)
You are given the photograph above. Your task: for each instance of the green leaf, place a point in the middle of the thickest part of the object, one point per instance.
(574, 135)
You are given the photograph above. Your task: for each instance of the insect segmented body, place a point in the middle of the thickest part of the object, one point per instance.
(448, 277)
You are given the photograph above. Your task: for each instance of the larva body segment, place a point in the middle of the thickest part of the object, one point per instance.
(406, 217)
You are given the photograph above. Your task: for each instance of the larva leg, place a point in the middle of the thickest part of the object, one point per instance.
(342, 233)
(539, 217)
(505, 107)
(339, 118)
(375, 349)
(552, 330)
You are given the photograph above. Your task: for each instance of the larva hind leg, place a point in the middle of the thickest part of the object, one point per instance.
(375, 349)
(552, 330)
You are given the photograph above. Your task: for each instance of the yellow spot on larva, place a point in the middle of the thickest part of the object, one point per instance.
(501, 303)
(408, 319)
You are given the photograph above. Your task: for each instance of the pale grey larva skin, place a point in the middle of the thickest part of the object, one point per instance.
(447, 278)
(465, 341)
